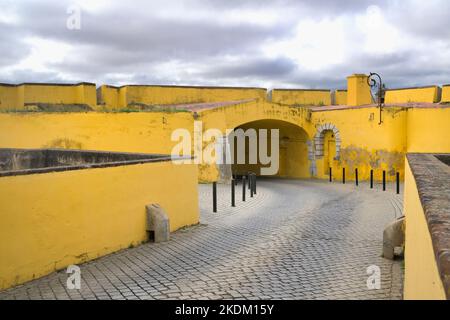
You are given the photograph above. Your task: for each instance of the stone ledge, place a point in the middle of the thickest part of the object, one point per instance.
(432, 175)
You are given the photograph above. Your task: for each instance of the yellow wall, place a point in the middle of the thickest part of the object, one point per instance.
(109, 97)
(445, 93)
(10, 98)
(365, 144)
(131, 132)
(358, 90)
(424, 94)
(14, 97)
(301, 97)
(428, 130)
(52, 220)
(116, 98)
(341, 97)
(422, 280)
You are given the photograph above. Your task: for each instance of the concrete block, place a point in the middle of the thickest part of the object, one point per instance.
(393, 236)
(158, 223)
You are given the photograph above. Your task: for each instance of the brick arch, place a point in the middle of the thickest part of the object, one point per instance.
(318, 139)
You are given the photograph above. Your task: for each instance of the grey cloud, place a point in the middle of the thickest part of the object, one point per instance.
(261, 68)
(129, 38)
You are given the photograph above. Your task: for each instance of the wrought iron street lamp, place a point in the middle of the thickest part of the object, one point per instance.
(374, 80)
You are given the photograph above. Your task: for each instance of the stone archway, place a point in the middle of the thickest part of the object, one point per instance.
(292, 144)
(319, 140)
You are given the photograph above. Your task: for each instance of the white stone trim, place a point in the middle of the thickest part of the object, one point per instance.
(318, 139)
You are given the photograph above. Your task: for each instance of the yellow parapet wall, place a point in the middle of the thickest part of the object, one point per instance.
(301, 96)
(446, 93)
(52, 220)
(358, 90)
(406, 95)
(340, 97)
(11, 97)
(364, 145)
(422, 279)
(18, 97)
(146, 132)
(428, 130)
(122, 97)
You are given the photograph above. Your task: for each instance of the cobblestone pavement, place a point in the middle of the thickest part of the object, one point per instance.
(296, 239)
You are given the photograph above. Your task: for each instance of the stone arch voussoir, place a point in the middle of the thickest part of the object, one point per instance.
(319, 139)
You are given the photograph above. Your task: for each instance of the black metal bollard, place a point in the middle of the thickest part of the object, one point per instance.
(384, 180)
(233, 202)
(398, 182)
(254, 183)
(371, 179)
(249, 178)
(343, 175)
(331, 175)
(250, 184)
(356, 176)
(214, 196)
(243, 188)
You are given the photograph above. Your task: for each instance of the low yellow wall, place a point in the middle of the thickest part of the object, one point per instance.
(52, 220)
(422, 279)
(123, 132)
(340, 97)
(423, 94)
(428, 130)
(16, 97)
(117, 98)
(445, 93)
(301, 97)
(10, 98)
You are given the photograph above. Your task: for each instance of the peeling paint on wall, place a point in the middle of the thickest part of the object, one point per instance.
(353, 157)
(64, 143)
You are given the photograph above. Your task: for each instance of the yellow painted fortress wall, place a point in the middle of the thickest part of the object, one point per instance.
(15, 97)
(422, 280)
(358, 90)
(341, 97)
(365, 144)
(445, 93)
(428, 130)
(74, 216)
(109, 97)
(51, 94)
(425, 94)
(154, 95)
(87, 94)
(301, 97)
(128, 132)
(10, 98)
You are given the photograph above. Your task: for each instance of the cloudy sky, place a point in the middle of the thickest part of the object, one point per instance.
(264, 43)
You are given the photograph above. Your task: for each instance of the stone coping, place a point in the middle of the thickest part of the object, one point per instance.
(15, 162)
(47, 84)
(412, 88)
(182, 86)
(416, 105)
(293, 89)
(432, 175)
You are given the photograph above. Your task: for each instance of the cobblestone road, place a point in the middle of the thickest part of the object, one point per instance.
(294, 240)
